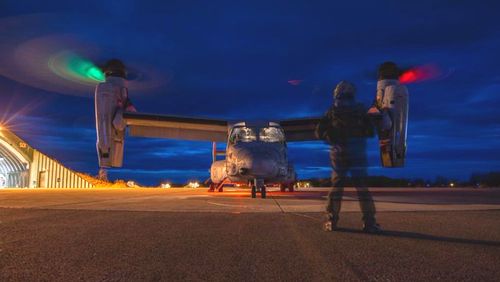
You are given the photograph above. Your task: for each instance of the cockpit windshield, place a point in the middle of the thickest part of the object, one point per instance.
(271, 134)
(242, 134)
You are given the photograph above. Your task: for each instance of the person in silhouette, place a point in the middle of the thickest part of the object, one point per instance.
(346, 126)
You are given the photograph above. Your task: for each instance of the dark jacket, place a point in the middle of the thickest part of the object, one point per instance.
(344, 121)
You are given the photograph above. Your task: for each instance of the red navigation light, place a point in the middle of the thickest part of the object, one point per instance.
(295, 82)
(420, 73)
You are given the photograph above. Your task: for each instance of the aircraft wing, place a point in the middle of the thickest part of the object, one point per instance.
(302, 129)
(176, 127)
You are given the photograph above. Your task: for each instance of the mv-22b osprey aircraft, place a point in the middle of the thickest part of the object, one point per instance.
(256, 152)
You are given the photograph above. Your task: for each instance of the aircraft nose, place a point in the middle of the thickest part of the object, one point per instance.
(256, 163)
(263, 167)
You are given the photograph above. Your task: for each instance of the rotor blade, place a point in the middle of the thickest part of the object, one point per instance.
(36, 50)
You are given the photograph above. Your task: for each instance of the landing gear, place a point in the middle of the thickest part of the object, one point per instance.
(212, 187)
(103, 174)
(284, 187)
(219, 187)
(258, 185)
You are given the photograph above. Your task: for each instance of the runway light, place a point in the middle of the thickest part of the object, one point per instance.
(193, 185)
(303, 184)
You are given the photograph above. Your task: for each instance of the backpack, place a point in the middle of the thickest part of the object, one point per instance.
(349, 122)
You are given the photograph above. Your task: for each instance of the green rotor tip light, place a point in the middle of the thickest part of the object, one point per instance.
(95, 73)
(85, 69)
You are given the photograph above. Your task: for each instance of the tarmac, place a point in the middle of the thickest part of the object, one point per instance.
(192, 235)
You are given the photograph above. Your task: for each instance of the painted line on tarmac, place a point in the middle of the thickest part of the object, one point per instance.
(227, 205)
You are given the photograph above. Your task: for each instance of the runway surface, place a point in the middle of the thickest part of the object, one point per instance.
(190, 234)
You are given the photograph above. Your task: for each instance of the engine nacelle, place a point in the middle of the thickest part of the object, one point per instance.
(392, 101)
(110, 100)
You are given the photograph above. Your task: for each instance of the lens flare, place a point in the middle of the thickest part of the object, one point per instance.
(420, 73)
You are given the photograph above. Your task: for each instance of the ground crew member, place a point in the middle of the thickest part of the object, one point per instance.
(345, 127)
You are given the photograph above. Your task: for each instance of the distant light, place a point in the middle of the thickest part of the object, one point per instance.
(194, 184)
(303, 184)
(295, 82)
(166, 185)
(452, 184)
(130, 183)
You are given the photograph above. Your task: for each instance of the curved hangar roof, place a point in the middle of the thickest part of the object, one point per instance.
(23, 166)
(15, 154)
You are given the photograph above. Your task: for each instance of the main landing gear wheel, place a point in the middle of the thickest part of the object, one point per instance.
(263, 192)
(212, 187)
(258, 184)
(285, 187)
(282, 187)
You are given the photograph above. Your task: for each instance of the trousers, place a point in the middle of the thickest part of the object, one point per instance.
(350, 157)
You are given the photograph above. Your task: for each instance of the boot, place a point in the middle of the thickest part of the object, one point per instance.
(330, 224)
(372, 228)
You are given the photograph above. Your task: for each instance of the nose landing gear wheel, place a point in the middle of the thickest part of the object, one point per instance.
(258, 186)
(282, 187)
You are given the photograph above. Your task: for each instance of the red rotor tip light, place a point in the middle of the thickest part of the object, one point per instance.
(419, 74)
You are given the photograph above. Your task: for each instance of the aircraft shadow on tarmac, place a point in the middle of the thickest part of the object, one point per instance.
(420, 236)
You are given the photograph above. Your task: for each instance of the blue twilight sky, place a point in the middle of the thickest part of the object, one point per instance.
(234, 60)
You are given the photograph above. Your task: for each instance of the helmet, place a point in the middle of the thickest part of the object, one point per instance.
(114, 67)
(388, 70)
(344, 90)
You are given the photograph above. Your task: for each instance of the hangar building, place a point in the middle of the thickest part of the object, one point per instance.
(21, 166)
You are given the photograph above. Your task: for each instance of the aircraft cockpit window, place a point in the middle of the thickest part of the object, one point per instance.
(242, 134)
(271, 134)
